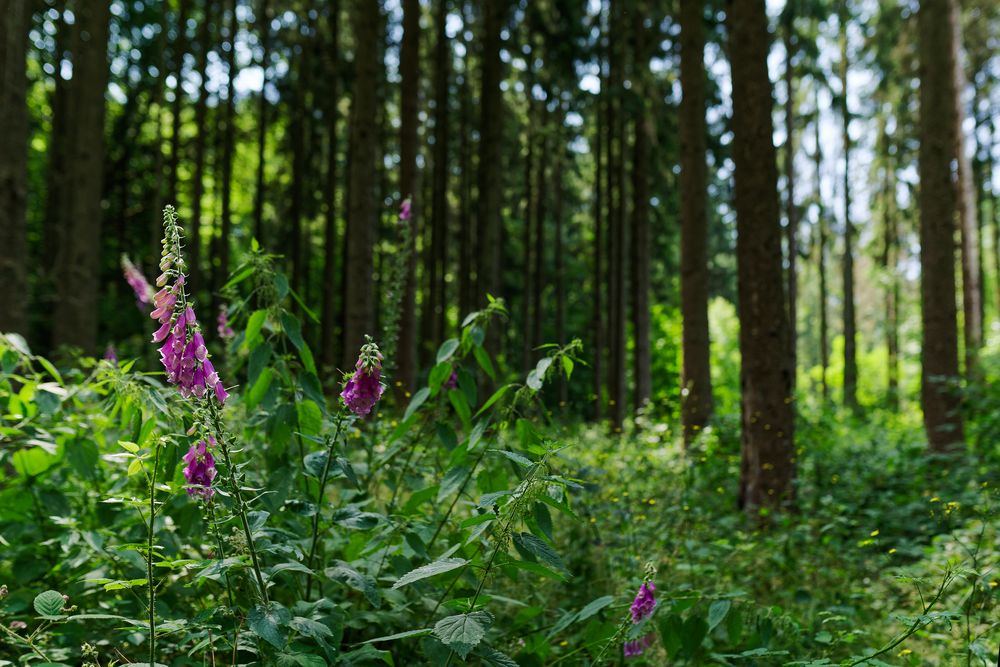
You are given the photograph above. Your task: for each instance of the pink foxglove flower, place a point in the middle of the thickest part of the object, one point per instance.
(183, 353)
(200, 470)
(222, 325)
(644, 602)
(133, 276)
(364, 388)
(110, 354)
(635, 648)
(405, 211)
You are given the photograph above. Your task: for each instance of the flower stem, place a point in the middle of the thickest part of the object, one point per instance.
(26, 641)
(331, 446)
(149, 556)
(241, 510)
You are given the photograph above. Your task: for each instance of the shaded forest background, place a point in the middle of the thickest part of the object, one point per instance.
(549, 159)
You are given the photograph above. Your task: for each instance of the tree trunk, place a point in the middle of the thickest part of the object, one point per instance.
(262, 118)
(439, 190)
(696, 375)
(791, 210)
(15, 20)
(201, 127)
(597, 362)
(942, 418)
(768, 446)
(850, 324)
(467, 241)
(179, 50)
(644, 139)
(541, 212)
(824, 322)
(616, 200)
(55, 226)
(228, 149)
(967, 217)
(328, 326)
(560, 261)
(490, 174)
(359, 297)
(528, 290)
(75, 317)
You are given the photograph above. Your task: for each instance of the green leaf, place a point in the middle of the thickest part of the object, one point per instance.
(541, 550)
(259, 388)
(310, 417)
(255, 323)
(350, 577)
(535, 568)
(717, 612)
(447, 349)
(400, 635)
(695, 629)
(463, 632)
(567, 365)
(452, 482)
(49, 603)
(495, 657)
(430, 570)
(415, 402)
(314, 463)
(438, 376)
(497, 395)
(300, 660)
(293, 329)
(483, 359)
(594, 607)
(348, 470)
(461, 406)
(269, 622)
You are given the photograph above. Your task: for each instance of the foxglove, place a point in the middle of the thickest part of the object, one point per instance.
(222, 325)
(405, 210)
(133, 276)
(364, 388)
(200, 470)
(644, 602)
(636, 647)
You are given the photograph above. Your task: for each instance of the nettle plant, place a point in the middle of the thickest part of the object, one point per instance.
(255, 511)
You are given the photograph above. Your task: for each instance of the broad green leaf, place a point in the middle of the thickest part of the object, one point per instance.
(310, 417)
(255, 323)
(594, 607)
(430, 570)
(259, 388)
(293, 329)
(447, 349)
(540, 549)
(717, 611)
(452, 482)
(497, 395)
(347, 575)
(415, 402)
(401, 635)
(49, 603)
(270, 623)
(463, 632)
(438, 376)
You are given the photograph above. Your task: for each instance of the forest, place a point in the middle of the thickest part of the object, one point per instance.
(499, 332)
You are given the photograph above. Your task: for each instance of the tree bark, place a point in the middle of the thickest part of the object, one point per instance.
(942, 418)
(541, 212)
(768, 446)
(696, 375)
(15, 20)
(201, 127)
(439, 190)
(640, 237)
(75, 317)
(791, 209)
(359, 297)
(490, 156)
(176, 108)
(262, 118)
(328, 325)
(850, 323)
(228, 148)
(616, 199)
(466, 235)
(967, 216)
(824, 322)
(597, 362)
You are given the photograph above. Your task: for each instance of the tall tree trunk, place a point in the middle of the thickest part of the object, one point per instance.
(75, 317)
(439, 190)
(55, 226)
(696, 375)
(791, 210)
(262, 118)
(15, 19)
(892, 271)
(541, 212)
(528, 290)
(467, 241)
(176, 108)
(298, 129)
(328, 326)
(640, 250)
(616, 200)
(228, 149)
(560, 261)
(598, 251)
(967, 217)
(850, 324)
(768, 445)
(490, 156)
(201, 127)
(410, 99)
(942, 418)
(359, 297)
(824, 322)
